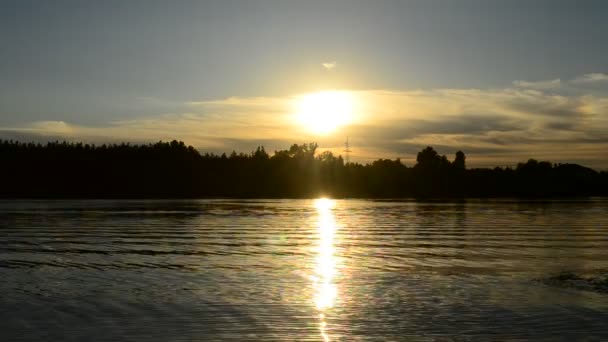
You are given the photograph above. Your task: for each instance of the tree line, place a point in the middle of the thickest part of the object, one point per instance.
(175, 170)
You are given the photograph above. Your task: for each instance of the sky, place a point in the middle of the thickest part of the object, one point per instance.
(503, 81)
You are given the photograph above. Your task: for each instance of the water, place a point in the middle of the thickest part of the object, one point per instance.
(301, 270)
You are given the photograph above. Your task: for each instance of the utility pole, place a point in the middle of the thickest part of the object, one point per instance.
(347, 151)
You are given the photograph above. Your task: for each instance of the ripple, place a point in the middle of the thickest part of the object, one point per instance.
(245, 270)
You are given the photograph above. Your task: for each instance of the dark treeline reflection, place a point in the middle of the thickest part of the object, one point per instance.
(176, 170)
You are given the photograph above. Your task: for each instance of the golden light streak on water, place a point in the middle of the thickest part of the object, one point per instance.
(325, 270)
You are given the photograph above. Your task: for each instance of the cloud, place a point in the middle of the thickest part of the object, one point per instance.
(551, 106)
(51, 127)
(329, 65)
(550, 84)
(493, 126)
(591, 78)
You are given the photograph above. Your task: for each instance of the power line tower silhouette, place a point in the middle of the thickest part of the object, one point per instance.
(347, 151)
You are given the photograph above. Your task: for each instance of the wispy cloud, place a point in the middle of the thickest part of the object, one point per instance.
(329, 65)
(549, 84)
(591, 78)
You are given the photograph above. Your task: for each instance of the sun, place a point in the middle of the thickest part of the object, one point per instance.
(323, 112)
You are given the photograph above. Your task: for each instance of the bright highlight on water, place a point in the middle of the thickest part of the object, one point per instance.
(303, 270)
(325, 271)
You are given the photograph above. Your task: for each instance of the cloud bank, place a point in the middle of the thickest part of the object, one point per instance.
(560, 121)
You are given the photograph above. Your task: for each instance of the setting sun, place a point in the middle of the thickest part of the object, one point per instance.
(323, 112)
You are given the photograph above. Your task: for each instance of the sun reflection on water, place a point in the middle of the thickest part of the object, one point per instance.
(325, 266)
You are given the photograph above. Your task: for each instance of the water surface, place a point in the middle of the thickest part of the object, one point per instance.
(305, 270)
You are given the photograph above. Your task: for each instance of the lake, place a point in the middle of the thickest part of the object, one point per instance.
(303, 270)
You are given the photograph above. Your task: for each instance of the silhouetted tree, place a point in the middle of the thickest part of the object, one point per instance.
(172, 169)
(459, 161)
(428, 159)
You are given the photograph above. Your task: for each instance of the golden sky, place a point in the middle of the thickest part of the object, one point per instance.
(562, 121)
(502, 80)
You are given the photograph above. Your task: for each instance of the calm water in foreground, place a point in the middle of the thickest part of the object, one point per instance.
(300, 270)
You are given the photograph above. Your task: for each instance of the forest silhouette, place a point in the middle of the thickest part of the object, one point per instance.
(175, 170)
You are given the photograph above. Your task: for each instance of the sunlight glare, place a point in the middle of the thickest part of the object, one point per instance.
(323, 204)
(323, 112)
(325, 270)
